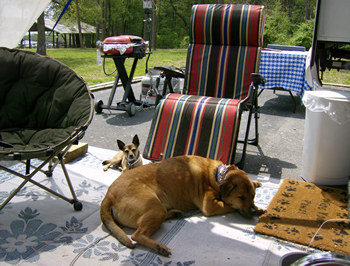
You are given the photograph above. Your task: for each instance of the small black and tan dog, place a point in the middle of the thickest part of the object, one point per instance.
(128, 157)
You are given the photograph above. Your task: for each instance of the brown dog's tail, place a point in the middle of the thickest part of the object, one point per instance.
(108, 220)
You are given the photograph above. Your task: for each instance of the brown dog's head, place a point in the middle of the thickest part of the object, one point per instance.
(131, 151)
(238, 191)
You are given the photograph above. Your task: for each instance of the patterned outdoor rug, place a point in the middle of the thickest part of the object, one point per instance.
(298, 210)
(39, 229)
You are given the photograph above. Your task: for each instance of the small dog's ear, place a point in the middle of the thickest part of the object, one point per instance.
(226, 188)
(121, 145)
(136, 141)
(256, 184)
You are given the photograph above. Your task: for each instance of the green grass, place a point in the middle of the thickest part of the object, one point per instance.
(83, 62)
(338, 77)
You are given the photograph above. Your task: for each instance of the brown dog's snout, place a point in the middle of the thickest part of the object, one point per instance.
(247, 209)
(252, 211)
(247, 213)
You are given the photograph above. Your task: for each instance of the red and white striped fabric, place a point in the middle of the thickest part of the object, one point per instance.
(224, 49)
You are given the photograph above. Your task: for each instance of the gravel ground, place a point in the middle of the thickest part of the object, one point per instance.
(281, 132)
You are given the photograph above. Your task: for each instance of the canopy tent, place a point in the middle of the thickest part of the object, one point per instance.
(70, 29)
(66, 28)
(16, 18)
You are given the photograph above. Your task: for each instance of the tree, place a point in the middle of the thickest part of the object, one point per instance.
(290, 28)
(179, 14)
(154, 26)
(307, 9)
(170, 19)
(104, 18)
(41, 46)
(81, 40)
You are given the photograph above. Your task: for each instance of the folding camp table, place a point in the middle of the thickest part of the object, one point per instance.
(119, 48)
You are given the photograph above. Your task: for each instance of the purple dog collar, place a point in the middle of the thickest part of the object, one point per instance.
(221, 173)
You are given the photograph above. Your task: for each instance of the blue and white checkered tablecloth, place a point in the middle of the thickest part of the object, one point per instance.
(284, 69)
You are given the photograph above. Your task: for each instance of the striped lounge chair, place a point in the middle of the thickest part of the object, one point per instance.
(223, 54)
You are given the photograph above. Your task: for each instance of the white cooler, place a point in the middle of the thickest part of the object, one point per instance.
(326, 153)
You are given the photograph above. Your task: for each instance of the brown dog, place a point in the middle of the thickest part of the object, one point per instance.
(128, 157)
(144, 197)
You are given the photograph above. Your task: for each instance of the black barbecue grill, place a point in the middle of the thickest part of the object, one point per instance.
(119, 48)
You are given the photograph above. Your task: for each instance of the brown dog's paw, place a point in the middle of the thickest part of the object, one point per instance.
(130, 245)
(259, 211)
(174, 214)
(163, 250)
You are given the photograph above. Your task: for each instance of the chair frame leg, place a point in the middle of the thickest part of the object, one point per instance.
(245, 142)
(256, 111)
(28, 178)
(253, 109)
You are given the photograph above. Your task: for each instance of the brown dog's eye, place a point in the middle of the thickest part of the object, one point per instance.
(133, 150)
(241, 198)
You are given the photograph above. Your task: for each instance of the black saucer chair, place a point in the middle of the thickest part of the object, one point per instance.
(45, 108)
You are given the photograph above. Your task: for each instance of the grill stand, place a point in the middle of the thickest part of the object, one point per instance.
(129, 102)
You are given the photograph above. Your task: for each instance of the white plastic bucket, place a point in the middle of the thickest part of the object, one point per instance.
(326, 152)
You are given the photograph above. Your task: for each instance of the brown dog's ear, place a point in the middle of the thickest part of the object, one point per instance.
(121, 145)
(233, 167)
(136, 141)
(256, 183)
(226, 188)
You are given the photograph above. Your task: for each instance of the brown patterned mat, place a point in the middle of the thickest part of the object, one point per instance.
(298, 210)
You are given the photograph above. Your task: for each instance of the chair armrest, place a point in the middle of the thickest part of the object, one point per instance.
(251, 100)
(258, 79)
(171, 72)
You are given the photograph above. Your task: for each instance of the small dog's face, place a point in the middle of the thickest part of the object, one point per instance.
(131, 151)
(238, 191)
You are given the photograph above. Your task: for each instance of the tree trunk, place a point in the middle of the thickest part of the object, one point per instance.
(104, 19)
(98, 37)
(154, 26)
(177, 13)
(41, 46)
(307, 10)
(81, 40)
(290, 8)
(284, 5)
(110, 23)
(145, 26)
(159, 7)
